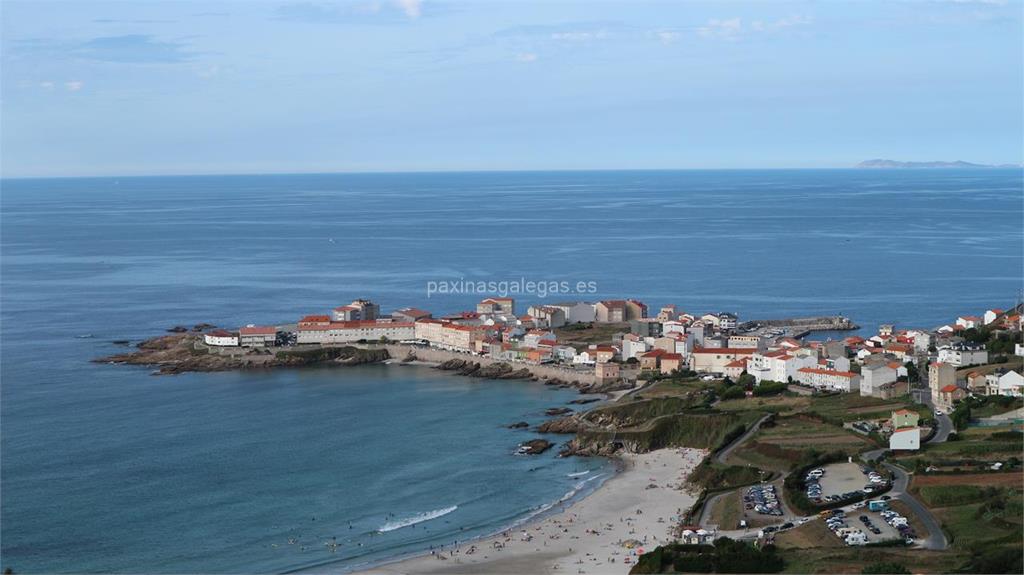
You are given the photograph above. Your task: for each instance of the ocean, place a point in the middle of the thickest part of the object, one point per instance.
(107, 468)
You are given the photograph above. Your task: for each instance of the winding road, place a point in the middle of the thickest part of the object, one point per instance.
(901, 480)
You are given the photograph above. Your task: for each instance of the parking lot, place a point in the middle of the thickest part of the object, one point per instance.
(861, 526)
(841, 478)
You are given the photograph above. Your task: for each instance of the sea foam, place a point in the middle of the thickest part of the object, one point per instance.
(420, 518)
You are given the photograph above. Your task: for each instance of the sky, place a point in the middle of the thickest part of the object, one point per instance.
(168, 87)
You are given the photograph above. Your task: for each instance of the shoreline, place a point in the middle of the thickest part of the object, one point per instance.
(640, 502)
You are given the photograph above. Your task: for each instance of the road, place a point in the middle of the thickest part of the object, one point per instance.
(724, 453)
(900, 481)
(945, 423)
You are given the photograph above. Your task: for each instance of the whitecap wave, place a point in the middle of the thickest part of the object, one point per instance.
(580, 474)
(420, 518)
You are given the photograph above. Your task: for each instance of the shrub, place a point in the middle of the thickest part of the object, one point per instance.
(883, 568)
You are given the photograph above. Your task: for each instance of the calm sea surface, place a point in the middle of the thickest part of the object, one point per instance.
(105, 468)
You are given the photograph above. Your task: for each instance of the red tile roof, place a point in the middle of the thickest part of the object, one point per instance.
(726, 350)
(949, 389)
(846, 374)
(258, 330)
(316, 319)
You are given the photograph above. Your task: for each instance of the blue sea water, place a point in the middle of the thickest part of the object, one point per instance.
(106, 468)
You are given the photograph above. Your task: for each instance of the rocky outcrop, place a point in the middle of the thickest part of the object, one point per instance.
(519, 425)
(184, 352)
(492, 371)
(569, 424)
(585, 400)
(535, 446)
(551, 412)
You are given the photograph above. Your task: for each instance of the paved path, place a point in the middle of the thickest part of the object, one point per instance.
(945, 423)
(725, 453)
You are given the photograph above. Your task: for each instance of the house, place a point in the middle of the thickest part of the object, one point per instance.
(908, 438)
(667, 313)
(939, 376)
(755, 341)
(948, 396)
(350, 331)
(905, 418)
(778, 365)
(734, 369)
(221, 338)
(893, 390)
(969, 321)
(727, 321)
(873, 377)
(886, 329)
(651, 359)
(828, 380)
(607, 372)
(534, 337)
(635, 309)
(632, 346)
(670, 362)
(257, 336)
(672, 326)
(547, 315)
(409, 314)
(963, 353)
(977, 383)
(991, 315)
(714, 360)
(646, 327)
(577, 311)
(603, 353)
(902, 351)
(345, 313)
(1011, 383)
(497, 306)
(610, 311)
(359, 310)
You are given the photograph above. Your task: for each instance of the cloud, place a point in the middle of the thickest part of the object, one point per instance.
(716, 28)
(74, 85)
(367, 11)
(127, 49)
(667, 36)
(412, 8)
(526, 57)
(579, 36)
(788, 22)
(733, 28)
(46, 85)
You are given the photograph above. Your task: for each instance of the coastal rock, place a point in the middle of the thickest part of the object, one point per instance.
(535, 446)
(585, 400)
(178, 329)
(561, 425)
(519, 425)
(183, 352)
(557, 411)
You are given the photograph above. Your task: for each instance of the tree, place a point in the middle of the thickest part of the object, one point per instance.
(746, 380)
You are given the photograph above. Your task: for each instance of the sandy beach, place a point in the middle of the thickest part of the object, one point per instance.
(640, 504)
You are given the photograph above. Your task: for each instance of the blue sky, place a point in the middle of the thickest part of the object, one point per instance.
(92, 88)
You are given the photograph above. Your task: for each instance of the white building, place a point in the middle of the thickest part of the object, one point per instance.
(828, 380)
(352, 331)
(873, 377)
(257, 336)
(577, 311)
(991, 315)
(547, 315)
(969, 321)
(906, 438)
(778, 365)
(221, 338)
(963, 353)
(633, 346)
(1011, 383)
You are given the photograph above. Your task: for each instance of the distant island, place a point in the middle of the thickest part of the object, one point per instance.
(879, 163)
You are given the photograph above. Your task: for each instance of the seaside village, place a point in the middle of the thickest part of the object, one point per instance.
(714, 345)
